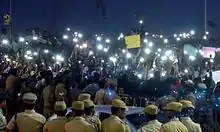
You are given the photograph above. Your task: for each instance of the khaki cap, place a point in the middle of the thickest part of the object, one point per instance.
(174, 106)
(60, 106)
(82, 97)
(117, 103)
(78, 105)
(186, 104)
(88, 103)
(29, 98)
(151, 110)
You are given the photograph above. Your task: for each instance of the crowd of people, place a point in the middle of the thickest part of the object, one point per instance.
(35, 101)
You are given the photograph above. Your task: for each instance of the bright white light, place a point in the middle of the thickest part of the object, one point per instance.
(5, 56)
(68, 29)
(29, 58)
(5, 41)
(35, 53)
(141, 21)
(75, 40)
(168, 53)
(80, 35)
(153, 35)
(105, 50)
(192, 32)
(21, 39)
(121, 36)
(159, 50)
(192, 58)
(207, 33)
(46, 51)
(163, 58)
(107, 41)
(145, 41)
(85, 45)
(163, 74)
(171, 58)
(103, 61)
(150, 44)
(175, 35)
(141, 59)
(50, 68)
(186, 71)
(99, 47)
(161, 36)
(205, 37)
(59, 58)
(25, 56)
(77, 45)
(151, 75)
(65, 36)
(26, 42)
(126, 67)
(146, 33)
(185, 52)
(93, 57)
(184, 35)
(113, 59)
(90, 52)
(28, 52)
(79, 62)
(123, 51)
(35, 37)
(7, 59)
(147, 51)
(139, 76)
(176, 60)
(128, 55)
(165, 40)
(211, 60)
(81, 47)
(178, 39)
(201, 52)
(76, 33)
(99, 38)
(181, 35)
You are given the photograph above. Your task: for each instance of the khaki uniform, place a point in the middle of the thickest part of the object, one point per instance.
(151, 126)
(95, 121)
(28, 121)
(173, 125)
(79, 124)
(55, 125)
(114, 124)
(60, 92)
(47, 98)
(190, 125)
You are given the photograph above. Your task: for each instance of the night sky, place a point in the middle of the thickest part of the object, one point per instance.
(166, 16)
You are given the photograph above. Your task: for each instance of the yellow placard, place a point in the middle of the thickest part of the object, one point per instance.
(133, 41)
(7, 19)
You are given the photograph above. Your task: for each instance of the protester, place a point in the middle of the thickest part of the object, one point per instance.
(3, 121)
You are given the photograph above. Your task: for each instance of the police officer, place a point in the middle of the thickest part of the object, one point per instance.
(89, 114)
(187, 111)
(57, 124)
(115, 123)
(84, 96)
(3, 122)
(60, 92)
(172, 111)
(78, 123)
(153, 124)
(29, 120)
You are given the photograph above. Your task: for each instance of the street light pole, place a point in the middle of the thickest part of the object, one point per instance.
(205, 16)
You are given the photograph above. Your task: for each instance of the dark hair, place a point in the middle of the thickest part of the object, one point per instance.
(114, 110)
(78, 112)
(151, 117)
(28, 106)
(88, 110)
(61, 113)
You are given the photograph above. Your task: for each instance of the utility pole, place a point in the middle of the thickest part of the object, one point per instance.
(205, 16)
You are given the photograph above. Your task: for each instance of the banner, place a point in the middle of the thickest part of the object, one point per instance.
(133, 41)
